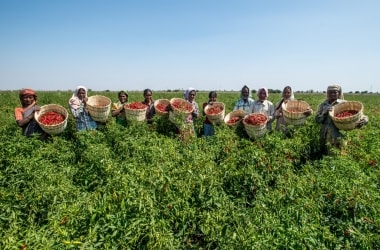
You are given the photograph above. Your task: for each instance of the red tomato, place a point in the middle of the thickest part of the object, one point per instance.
(51, 118)
(135, 105)
(214, 110)
(346, 113)
(256, 119)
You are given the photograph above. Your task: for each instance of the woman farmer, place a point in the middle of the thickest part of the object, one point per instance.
(148, 101)
(25, 115)
(287, 95)
(118, 110)
(329, 133)
(78, 103)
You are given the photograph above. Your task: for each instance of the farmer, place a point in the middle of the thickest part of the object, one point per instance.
(187, 129)
(25, 115)
(77, 104)
(329, 133)
(262, 105)
(245, 103)
(118, 110)
(148, 101)
(287, 95)
(208, 128)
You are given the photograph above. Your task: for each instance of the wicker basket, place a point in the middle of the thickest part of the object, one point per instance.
(347, 123)
(135, 114)
(236, 113)
(178, 116)
(254, 131)
(99, 107)
(293, 112)
(163, 102)
(52, 129)
(215, 118)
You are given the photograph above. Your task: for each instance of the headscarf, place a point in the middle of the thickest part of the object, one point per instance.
(187, 92)
(74, 101)
(26, 92)
(279, 105)
(291, 93)
(336, 87)
(260, 89)
(241, 92)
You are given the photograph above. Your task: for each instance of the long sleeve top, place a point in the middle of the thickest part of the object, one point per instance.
(244, 105)
(266, 107)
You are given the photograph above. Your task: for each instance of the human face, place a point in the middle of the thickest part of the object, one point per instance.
(212, 98)
(191, 96)
(27, 100)
(245, 93)
(332, 95)
(262, 95)
(123, 98)
(287, 93)
(81, 94)
(148, 96)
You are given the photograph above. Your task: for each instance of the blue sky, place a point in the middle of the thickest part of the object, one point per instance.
(176, 44)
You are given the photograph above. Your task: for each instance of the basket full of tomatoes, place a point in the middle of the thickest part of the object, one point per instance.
(346, 114)
(135, 111)
(233, 118)
(215, 112)
(179, 111)
(255, 124)
(161, 107)
(52, 118)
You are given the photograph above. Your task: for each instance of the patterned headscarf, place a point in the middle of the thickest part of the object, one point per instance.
(74, 101)
(336, 87)
(26, 92)
(187, 92)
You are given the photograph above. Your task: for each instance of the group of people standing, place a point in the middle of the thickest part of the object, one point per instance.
(329, 133)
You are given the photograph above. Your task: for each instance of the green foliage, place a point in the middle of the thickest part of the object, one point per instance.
(141, 187)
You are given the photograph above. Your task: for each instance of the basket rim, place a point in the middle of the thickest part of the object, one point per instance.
(64, 112)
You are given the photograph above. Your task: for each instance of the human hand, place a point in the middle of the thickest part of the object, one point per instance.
(278, 113)
(360, 123)
(308, 112)
(37, 108)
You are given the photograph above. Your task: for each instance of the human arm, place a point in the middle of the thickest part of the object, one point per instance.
(21, 118)
(323, 112)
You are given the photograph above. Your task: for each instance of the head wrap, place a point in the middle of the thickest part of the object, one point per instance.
(241, 92)
(187, 92)
(74, 101)
(260, 89)
(336, 87)
(291, 93)
(26, 92)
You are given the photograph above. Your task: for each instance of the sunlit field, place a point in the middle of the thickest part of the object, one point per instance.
(142, 187)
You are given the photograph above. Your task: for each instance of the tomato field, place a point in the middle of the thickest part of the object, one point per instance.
(141, 187)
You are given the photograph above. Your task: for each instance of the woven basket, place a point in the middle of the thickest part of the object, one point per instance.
(178, 116)
(232, 114)
(99, 107)
(293, 112)
(158, 111)
(254, 131)
(135, 114)
(215, 118)
(52, 129)
(347, 123)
